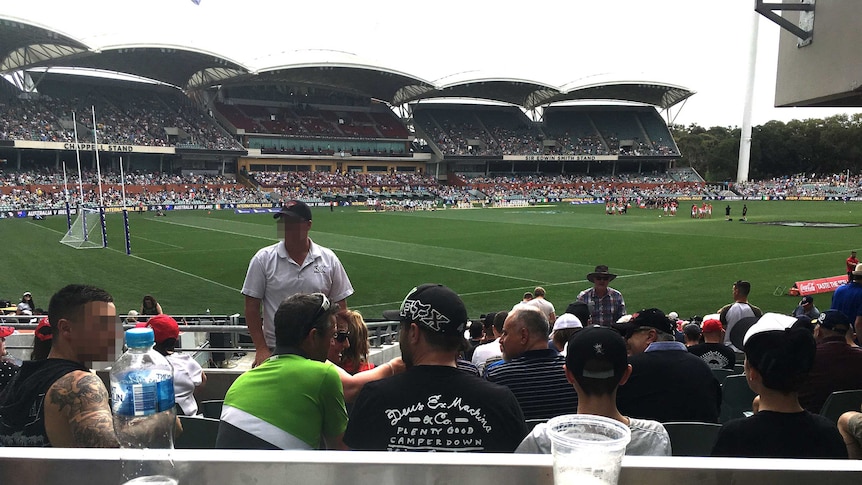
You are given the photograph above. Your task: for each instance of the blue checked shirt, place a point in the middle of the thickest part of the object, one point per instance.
(604, 310)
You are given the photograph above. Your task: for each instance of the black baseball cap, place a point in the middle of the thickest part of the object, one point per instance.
(296, 209)
(433, 306)
(650, 317)
(597, 353)
(834, 320)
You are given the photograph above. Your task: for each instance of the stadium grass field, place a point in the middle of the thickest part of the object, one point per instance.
(194, 260)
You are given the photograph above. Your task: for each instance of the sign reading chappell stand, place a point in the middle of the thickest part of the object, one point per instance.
(821, 285)
(88, 147)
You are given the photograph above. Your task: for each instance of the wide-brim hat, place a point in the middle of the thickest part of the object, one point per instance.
(601, 270)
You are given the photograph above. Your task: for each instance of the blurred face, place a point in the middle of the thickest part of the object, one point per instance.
(292, 228)
(2, 346)
(513, 341)
(96, 332)
(339, 342)
(601, 281)
(320, 344)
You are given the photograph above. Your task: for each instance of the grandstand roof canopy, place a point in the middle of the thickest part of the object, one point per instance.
(338, 71)
(25, 45)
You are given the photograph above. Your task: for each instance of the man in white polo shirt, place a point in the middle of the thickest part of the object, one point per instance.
(295, 265)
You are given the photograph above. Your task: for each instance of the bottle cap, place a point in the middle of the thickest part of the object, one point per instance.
(140, 337)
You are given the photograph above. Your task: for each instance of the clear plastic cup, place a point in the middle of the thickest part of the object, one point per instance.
(587, 449)
(153, 480)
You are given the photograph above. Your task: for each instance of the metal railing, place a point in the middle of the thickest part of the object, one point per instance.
(71, 466)
(379, 333)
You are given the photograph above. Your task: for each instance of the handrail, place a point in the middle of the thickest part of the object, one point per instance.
(379, 333)
(74, 466)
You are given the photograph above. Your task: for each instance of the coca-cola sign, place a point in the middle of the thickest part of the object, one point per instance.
(821, 285)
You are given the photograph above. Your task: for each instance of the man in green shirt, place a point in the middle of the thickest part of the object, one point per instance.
(294, 399)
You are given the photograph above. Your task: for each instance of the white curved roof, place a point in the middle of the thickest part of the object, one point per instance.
(24, 44)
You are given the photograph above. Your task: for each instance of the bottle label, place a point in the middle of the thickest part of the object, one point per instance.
(137, 395)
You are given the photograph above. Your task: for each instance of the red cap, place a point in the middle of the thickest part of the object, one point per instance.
(43, 330)
(6, 331)
(164, 327)
(711, 325)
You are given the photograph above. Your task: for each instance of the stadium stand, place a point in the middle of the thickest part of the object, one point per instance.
(124, 116)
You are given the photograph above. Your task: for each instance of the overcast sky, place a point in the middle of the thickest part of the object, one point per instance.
(703, 46)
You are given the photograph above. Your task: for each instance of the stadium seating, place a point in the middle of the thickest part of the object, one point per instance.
(692, 439)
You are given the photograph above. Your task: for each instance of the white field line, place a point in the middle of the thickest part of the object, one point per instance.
(186, 273)
(158, 242)
(647, 273)
(637, 275)
(401, 260)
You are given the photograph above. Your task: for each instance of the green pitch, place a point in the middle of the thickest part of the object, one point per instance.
(192, 261)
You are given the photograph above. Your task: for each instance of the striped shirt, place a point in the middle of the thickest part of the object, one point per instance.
(538, 381)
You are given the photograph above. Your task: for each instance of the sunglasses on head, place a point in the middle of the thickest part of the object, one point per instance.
(324, 306)
(341, 336)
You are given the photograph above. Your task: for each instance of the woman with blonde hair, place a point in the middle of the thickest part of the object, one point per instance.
(355, 357)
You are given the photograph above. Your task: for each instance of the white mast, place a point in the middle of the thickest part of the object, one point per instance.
(78, 156)
(98, 165)
(745, 136)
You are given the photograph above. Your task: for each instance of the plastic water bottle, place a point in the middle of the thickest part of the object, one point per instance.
(142, 391)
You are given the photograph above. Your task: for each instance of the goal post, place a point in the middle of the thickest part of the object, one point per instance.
(88, 230)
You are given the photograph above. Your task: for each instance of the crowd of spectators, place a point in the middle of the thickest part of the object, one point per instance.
(21, 199)
(630, 186)
(803, 185)
(122, 117)
(373, 180)
(46, 176)
(316, 186)
(459, 134)
(196, 188)
(305, 119)
(139, 117)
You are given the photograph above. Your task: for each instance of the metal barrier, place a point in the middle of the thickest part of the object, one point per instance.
(379, 333)
(381, 336)
(382, 333)
(28, 466)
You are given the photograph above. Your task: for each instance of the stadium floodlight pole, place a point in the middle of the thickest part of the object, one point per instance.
(745, 136)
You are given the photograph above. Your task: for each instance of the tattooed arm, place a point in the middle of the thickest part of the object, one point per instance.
(77, 413)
